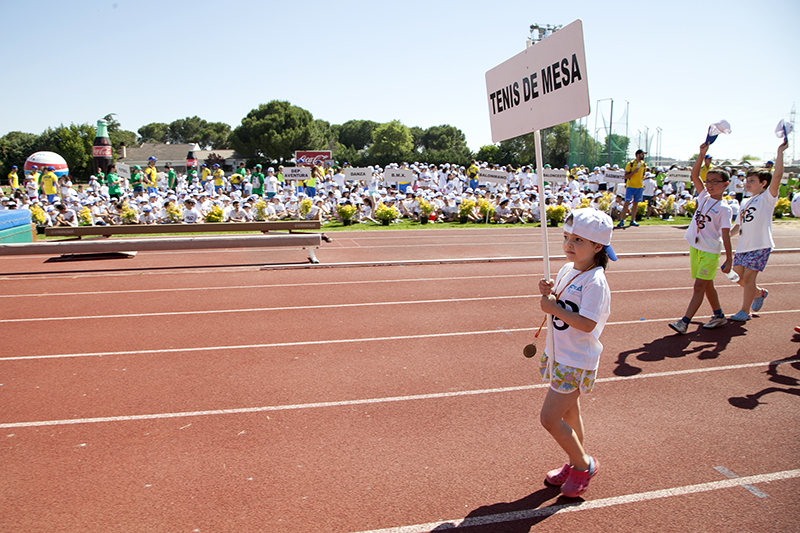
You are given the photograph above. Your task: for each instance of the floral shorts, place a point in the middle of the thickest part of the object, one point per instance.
(753, 260)
(567, 378)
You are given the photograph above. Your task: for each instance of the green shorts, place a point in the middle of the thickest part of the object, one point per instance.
(704, 264)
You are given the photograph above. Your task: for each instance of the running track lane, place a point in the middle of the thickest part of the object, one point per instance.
(449, 442)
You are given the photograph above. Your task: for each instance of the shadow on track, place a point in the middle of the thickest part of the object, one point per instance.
(751, 401)
(513, 517)
(148, 269)
(706, 343)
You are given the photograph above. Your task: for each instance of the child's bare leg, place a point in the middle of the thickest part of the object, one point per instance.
(574, 419)
(712, 296)
(700, 289)
(554, 412)
(747, 279)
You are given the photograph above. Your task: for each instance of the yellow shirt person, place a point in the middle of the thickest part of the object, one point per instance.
(13, 179)
(49, 183)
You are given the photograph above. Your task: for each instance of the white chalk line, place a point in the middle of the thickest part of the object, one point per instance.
(267, 286)
(251, 288)
(329, 341)
(367, 401)
(550, 510)
(750, 488)
(330, 306)
(266, 309)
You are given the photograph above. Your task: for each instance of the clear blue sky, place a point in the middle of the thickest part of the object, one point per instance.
(679, 65)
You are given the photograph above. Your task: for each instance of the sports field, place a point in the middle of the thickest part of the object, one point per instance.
(385, 390)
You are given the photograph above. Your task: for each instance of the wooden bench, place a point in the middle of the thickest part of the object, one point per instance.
(101, 243)
(214, 227)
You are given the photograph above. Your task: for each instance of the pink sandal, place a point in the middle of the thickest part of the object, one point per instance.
(578, 480)
(558, 476)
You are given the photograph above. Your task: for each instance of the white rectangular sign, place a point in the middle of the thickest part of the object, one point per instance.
(680, 175)
(398, 175)
(543, 86)
(124, 171)
(296, 173)
(554, 174)
(493, 176)
(614, 176)
(357, 174)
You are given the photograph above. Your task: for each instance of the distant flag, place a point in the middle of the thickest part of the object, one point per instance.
(715, 129)
(783, 129)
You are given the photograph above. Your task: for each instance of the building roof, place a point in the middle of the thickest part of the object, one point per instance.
(174, 154)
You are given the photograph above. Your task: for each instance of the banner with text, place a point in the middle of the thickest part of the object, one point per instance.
(309, 158)
(680, 175)
(124, 171)
(543, 86)
(614, 176)
(357, 174)
(398, 175)
(296, 173)
(493, 176)
(557, 175)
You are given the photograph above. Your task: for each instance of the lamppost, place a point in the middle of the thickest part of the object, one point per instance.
(542, 31)
(658, 146)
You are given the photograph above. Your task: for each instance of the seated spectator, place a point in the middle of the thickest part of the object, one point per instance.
(191, 215)
(65, 217)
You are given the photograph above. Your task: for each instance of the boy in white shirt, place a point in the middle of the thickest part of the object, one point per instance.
(708, 233)
(191, 215)
(754, 225)
(236, 213)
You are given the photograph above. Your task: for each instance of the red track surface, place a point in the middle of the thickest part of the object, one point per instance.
(197, 392)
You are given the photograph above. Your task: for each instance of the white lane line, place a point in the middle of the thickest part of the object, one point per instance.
(330, 341)
(550, 510)
(265, 309)
(322, 306)
(272, 286)
(730, 475)
(313, 284)
(343, 403)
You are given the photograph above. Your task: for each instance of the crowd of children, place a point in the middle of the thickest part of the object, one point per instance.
(722, 204)
(452, 192)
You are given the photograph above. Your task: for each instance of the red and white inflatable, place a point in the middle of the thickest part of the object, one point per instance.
(46, 159)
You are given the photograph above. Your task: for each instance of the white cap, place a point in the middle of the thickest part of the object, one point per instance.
(592, 225)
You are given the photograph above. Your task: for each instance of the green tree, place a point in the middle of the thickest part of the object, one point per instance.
(444, 137)
(275, 130)
(117, 135)
(583, 149)
(347, 154)
(356, 133)
(155, 132)
(417, 134)
(615, 149)
(74, 144)
(522, 150)
(391, 140)
(208, 135)
(489, 153)
(15, 148)
(445, 144)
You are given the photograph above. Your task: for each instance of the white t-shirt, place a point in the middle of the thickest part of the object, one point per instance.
(649, 187)
(710, 218)
(191, 216)
(588, 295)
(755, 223)
(796, 204)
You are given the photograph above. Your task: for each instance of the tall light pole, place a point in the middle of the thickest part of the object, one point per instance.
(542, 31)
(610, 130)
(658, 145)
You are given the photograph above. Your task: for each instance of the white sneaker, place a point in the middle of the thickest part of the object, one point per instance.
(679, 326)
(715, 322)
